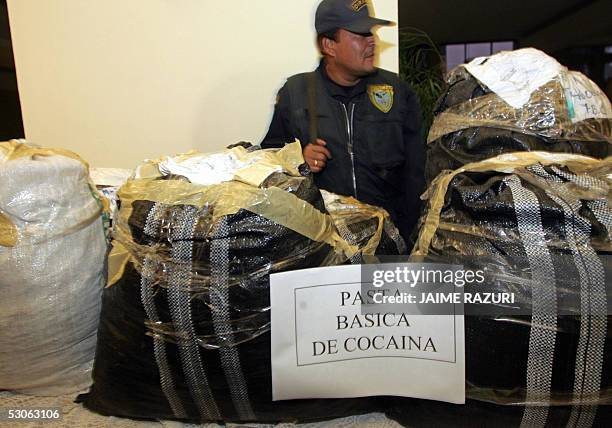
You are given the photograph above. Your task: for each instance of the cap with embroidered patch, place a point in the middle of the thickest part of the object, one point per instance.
(351, 15)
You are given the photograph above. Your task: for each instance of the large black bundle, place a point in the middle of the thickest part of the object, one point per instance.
(473, 123)
(184, 332)
(542, 227)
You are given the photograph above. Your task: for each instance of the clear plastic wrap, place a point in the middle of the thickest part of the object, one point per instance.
(566, 113)
(368, 227)
(541, 224)
(184, 331)
(52, 252)
(546, 114)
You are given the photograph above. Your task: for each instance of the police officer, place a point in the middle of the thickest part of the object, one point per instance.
(359, 125)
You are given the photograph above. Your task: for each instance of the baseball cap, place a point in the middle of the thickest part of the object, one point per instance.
(351, 15)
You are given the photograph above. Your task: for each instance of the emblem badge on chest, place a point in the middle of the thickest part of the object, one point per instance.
(381, 96)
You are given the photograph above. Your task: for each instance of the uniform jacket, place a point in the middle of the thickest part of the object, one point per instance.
(372, 131)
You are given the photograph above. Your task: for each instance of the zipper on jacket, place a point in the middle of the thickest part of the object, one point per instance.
(349, 127)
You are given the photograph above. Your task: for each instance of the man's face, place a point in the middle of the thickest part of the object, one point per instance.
(355, 52)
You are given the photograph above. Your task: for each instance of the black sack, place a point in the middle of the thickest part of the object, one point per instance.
(472, 123)
(518, 220)
(175, 343)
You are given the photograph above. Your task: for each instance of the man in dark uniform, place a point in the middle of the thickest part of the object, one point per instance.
(359, 125)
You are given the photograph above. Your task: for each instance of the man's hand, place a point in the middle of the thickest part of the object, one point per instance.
(316, 155)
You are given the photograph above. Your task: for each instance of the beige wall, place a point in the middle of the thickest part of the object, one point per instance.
(122, 80)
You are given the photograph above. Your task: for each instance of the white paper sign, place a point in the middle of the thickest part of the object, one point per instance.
(516, 74)
(323, 347)
(584, 99)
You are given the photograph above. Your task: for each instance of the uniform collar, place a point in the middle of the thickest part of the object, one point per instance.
(339, 91)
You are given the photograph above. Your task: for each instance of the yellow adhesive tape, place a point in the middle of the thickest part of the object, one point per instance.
(8, 232)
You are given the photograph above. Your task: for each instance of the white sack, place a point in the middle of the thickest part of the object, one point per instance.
(51, 280)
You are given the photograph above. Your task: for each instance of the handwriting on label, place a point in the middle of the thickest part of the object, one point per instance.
(585, 100)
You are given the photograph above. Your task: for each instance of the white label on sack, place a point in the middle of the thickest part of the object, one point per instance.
(324, 347)
(516, 74)
(584, 99)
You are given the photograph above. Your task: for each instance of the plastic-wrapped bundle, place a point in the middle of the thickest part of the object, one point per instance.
(52, 251)
(541, 225)
(527, 102)
(184, 332)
